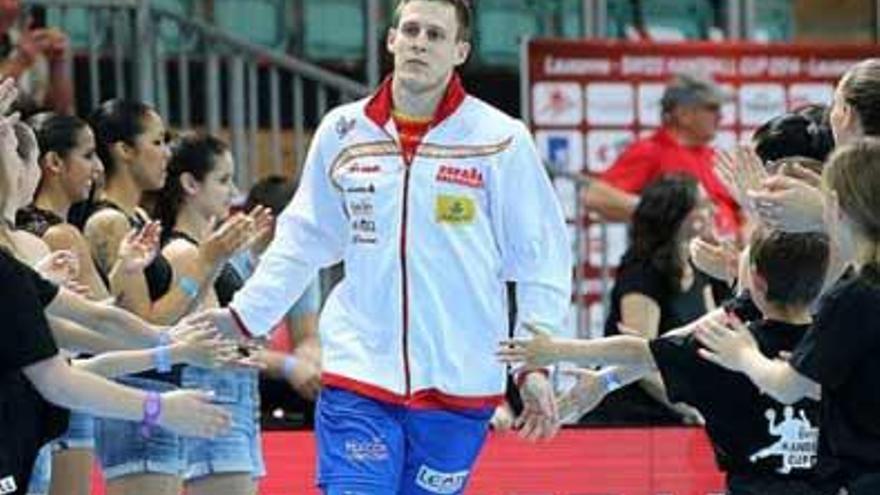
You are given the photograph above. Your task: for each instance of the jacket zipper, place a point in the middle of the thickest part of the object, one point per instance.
(404, 286)
(404, 281)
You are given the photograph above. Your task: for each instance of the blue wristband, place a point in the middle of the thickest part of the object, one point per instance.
(162, 353)
(189, 286)
(162, 358)
(164, 339)
(289, 366)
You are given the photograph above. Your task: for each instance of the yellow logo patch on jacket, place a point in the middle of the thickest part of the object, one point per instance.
(456, 210)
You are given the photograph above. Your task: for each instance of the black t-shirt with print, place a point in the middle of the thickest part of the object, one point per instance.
(751, 433)
(632, 405)
(842, 353)
(27, 421)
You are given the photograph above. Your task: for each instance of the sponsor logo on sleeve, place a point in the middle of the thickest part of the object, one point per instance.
(440, 482)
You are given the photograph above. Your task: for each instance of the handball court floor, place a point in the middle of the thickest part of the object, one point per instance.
(579, 461)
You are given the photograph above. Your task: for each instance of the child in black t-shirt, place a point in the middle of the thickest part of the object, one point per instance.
(764, 446)
(840, 352)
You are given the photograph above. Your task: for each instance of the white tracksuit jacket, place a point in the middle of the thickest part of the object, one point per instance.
(427, 249)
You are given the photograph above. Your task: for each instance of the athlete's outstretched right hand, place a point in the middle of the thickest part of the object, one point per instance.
(190, 413)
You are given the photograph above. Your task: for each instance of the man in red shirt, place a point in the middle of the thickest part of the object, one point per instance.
(691, 109)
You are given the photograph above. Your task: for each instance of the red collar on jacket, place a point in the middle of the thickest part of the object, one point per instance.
(379, 107)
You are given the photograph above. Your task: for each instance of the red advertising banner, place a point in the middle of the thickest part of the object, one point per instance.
(623, 461)
(588, 100)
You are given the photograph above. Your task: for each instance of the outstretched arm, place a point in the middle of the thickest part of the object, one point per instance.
(730, 344)
(543, 349)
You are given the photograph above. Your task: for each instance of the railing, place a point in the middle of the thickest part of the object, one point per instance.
(203, 78)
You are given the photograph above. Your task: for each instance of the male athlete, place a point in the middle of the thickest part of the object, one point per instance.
(434, 200)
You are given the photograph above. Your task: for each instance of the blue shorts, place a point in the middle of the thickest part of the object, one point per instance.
(240, 449)
(368, 447)
(80, 434)
(123, 450)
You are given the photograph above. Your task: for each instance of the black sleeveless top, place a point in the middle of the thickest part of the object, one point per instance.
(159, 273)
(227, 283)
(36, 220)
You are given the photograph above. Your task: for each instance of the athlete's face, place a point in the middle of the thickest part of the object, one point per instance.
(425, 45)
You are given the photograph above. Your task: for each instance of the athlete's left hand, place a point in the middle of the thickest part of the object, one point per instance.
(540, 417)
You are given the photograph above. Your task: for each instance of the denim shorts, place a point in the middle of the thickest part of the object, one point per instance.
(240, 449)
(123, 450)
(42, 472)
(80, 434)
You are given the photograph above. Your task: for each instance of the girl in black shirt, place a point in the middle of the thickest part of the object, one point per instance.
(657, 290)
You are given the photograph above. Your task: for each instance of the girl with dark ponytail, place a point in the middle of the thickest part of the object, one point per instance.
(198, 191)
(131, 142)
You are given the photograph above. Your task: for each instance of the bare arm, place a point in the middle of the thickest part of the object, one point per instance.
(304, 335)
(75, 337)
(108, 320)
(119, 363)
(593, 386)
(184, 412)
(75, 389)
(776, 378)
(736, 350)
(67, 237)
(609, 202)
(642, 314)
(105, 232)
(543, 350)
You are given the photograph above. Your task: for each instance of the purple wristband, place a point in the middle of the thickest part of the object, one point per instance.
(152, 412)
